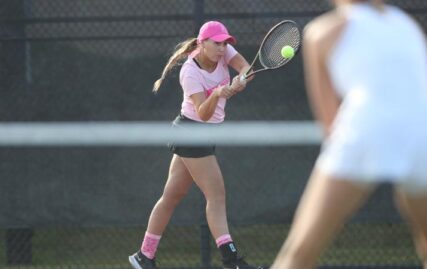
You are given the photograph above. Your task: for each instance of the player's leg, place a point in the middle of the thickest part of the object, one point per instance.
(413, 207)
(208, 177)
(178, 183)
(324, 207)
(177, 186)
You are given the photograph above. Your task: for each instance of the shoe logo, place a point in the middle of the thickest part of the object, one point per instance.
(233, 248)
(138, 258)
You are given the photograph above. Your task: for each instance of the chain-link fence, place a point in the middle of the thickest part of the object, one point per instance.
(96, 60)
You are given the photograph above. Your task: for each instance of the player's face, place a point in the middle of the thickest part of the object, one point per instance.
(214, 50)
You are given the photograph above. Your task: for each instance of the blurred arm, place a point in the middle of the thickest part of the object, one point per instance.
(319, 37)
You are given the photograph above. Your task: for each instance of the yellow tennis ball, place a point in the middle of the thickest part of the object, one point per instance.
(287, 52)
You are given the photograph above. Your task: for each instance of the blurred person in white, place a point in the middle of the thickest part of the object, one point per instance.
(366, 74)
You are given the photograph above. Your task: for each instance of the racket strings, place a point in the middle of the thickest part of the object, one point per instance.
(284, 34)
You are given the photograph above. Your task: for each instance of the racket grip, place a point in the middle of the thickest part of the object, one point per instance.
(243, 77)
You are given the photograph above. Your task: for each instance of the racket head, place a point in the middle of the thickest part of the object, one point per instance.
(285, 33)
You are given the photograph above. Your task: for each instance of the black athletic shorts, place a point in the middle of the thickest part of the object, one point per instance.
(186, 150)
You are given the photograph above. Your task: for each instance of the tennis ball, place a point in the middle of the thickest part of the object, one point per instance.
(287, 52)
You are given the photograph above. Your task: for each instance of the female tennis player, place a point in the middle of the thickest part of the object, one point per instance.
(205, 81)
(366, 73)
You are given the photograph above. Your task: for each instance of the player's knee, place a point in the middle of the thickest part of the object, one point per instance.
(172, 199)
(216, 197)
(215, 201)
(214, 194)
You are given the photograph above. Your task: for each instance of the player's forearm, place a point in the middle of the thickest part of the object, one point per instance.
(207, 108)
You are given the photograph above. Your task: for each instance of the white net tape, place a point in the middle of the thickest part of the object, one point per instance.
(158, 133)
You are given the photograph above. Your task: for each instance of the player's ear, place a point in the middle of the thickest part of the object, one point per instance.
(204, 43)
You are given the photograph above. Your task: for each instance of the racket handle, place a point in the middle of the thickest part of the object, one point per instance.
(243, 77)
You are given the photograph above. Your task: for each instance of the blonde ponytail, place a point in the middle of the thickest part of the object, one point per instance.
(181, 51)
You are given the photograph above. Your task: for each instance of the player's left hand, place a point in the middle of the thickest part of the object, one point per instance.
(238, 85)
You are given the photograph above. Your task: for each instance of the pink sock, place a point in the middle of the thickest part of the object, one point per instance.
(223, 239)
(149, 245)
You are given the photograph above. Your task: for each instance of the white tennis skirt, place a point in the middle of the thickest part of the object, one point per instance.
(372, 153)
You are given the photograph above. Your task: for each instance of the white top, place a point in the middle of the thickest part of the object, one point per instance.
(379, 68)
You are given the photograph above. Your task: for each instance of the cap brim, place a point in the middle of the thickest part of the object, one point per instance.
(224, 37)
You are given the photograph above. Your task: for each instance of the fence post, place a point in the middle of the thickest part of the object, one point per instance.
(199, 14)
(15, 53)
(205, 234)
(14, 78)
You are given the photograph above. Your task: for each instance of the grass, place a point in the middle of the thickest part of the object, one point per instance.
(373, 244)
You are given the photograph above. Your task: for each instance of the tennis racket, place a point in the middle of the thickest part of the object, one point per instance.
(285, 33)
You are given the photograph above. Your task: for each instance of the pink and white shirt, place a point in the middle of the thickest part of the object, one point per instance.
(193, 80)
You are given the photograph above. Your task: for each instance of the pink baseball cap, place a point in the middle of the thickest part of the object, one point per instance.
(215, 31)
